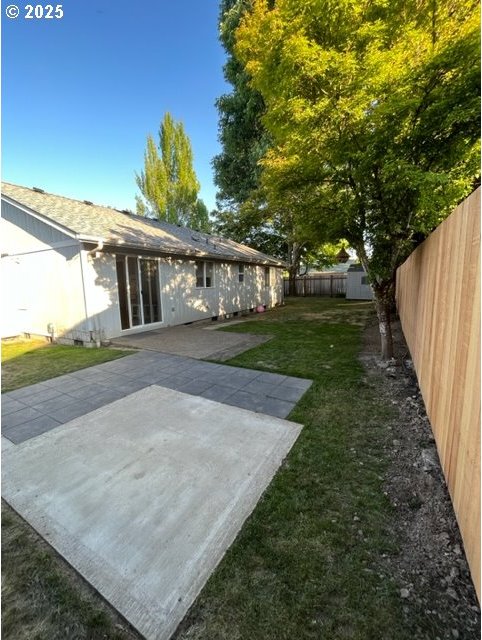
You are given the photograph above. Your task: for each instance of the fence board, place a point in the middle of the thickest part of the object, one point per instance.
(438, 299)
(323, 285)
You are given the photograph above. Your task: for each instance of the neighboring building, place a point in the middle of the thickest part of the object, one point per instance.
(86, 273)
(357, 286)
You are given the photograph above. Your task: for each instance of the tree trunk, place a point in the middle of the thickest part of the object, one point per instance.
(384, 294)
(294, 263)
(383, 305)
(292, 281)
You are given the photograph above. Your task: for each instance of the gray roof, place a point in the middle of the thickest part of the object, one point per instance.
(356, 267)
(90, 223)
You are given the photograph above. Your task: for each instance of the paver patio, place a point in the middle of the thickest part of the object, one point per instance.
(30, 411)
(140, 471)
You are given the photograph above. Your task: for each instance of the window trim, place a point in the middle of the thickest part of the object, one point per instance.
(267, 277)
(241, 272)
(204, 263)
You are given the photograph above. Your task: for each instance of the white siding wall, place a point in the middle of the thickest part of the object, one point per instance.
(355, 290)
(41, 277)
(101, 295)
(44, 288)
(21, 232)
(277, 287)
(181, 300)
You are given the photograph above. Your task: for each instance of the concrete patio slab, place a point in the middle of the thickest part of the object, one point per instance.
(144, 496)
(193, 342)
(6, 444)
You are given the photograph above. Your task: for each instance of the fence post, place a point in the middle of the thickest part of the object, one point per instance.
(331, 286)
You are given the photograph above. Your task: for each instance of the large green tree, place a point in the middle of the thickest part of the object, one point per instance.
(168, 183)
(243, 214)
(244, 140)
(373, 110)
(242, 135)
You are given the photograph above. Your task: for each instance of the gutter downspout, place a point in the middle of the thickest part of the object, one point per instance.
(90, 324)
(96, 250)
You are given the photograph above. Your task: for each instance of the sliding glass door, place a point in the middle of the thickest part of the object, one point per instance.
(134, 291)
(150, 291)
(138, 288)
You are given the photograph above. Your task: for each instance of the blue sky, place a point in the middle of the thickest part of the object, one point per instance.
(80, 94)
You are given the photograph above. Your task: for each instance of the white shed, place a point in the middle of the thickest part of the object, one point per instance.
(357, 285)
(85, 273)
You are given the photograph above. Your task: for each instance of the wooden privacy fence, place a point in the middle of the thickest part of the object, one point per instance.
(323, 285)
(438, 299)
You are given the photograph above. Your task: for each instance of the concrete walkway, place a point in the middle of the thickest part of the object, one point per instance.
(143, 496)
(30, 411)
(196, 341)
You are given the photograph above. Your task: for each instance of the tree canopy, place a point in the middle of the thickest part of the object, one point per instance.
(242, 135)
(374, 115)
(168, 183)
(244, 213)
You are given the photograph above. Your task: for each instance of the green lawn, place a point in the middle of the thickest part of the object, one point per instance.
(307, 563)
(43, 598)
(25, 362)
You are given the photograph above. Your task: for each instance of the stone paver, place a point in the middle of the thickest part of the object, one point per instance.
(10, 405)
(32, 410)
(30, 429)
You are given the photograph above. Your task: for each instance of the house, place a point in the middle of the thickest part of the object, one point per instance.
(357, 285)
(84, 273)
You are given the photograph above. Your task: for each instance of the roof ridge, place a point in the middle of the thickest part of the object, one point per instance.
(56, 195)
(93, 204)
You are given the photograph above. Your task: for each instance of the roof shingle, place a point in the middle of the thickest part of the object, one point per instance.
(87, 221)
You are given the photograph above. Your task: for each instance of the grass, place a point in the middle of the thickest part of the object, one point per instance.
(307, 562)
(26, 362)
(43, 598)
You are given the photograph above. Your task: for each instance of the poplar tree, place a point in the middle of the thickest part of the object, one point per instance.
(168, 183)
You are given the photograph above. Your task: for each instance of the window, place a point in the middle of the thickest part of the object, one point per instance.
(240, 272)
(199, 274)
(204, 274)
(266, 277)
(364, 280)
